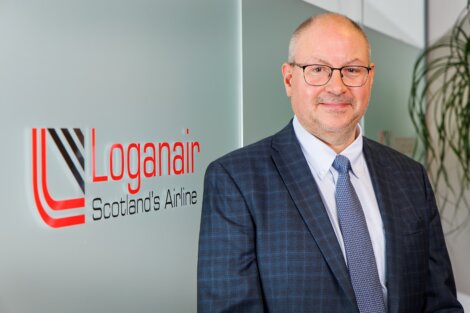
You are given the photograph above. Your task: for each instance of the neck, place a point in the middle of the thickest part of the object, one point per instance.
(339, 141)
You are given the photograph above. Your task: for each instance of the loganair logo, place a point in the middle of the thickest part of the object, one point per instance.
(130, 163)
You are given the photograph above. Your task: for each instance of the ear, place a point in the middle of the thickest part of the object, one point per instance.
(287, 77)
(371, 75)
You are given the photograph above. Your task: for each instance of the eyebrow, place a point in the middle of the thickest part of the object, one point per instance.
(328, 63)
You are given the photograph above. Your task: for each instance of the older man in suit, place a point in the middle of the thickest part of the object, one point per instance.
(318, 218)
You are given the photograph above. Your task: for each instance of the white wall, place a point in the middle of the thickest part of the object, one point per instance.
(441, 17)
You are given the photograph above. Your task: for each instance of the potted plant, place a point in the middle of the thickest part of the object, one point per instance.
(439, 107)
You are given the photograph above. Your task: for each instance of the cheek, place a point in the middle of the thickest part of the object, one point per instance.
(303, 103)
(304, 93)
(362, 99)
(303, 98)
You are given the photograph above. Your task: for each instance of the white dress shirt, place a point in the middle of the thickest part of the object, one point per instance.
(320, 158)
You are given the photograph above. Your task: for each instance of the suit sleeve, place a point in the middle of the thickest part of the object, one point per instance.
(441, 292)
(228, 278)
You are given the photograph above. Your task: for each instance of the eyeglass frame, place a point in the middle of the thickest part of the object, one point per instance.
(303, 67)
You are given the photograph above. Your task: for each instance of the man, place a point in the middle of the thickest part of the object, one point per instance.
(276, 228)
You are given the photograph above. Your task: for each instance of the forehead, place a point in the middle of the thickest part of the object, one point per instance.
(332, 39)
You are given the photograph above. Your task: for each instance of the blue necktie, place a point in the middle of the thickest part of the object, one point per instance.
(359, 252)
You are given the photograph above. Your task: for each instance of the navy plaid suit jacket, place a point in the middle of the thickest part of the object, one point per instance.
(267, 245)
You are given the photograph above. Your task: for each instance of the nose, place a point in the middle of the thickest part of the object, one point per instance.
(335, 85)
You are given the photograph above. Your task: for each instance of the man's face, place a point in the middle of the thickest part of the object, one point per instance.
(332, 111)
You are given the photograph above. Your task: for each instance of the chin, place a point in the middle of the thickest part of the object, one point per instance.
(339, 128)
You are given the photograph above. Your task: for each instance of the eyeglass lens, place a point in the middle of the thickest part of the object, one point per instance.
(353, 76)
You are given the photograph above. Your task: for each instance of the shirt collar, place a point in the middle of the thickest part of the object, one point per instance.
(320, 156)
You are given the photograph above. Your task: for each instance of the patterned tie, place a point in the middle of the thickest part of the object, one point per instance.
(357, 243)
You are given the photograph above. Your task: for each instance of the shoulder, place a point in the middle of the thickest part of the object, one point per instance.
(387, 153)
(240, 171)
(385, 157)
(256, 157)
(245, 157)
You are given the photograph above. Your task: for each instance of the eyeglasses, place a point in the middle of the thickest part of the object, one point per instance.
(319, 74)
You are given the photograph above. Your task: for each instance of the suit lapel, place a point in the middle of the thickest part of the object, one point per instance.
(295, 172)
(381, 176)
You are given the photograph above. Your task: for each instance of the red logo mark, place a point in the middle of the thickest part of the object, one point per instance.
(71, 147)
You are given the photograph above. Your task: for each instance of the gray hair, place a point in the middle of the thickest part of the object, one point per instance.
(305, 24)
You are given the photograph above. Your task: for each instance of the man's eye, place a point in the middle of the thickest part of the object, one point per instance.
(352, 70)
(317, 69)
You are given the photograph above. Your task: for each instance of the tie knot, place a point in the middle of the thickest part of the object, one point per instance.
(341, 164)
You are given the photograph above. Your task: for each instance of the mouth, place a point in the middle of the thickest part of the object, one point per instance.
(335, 106)
(335, 103)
